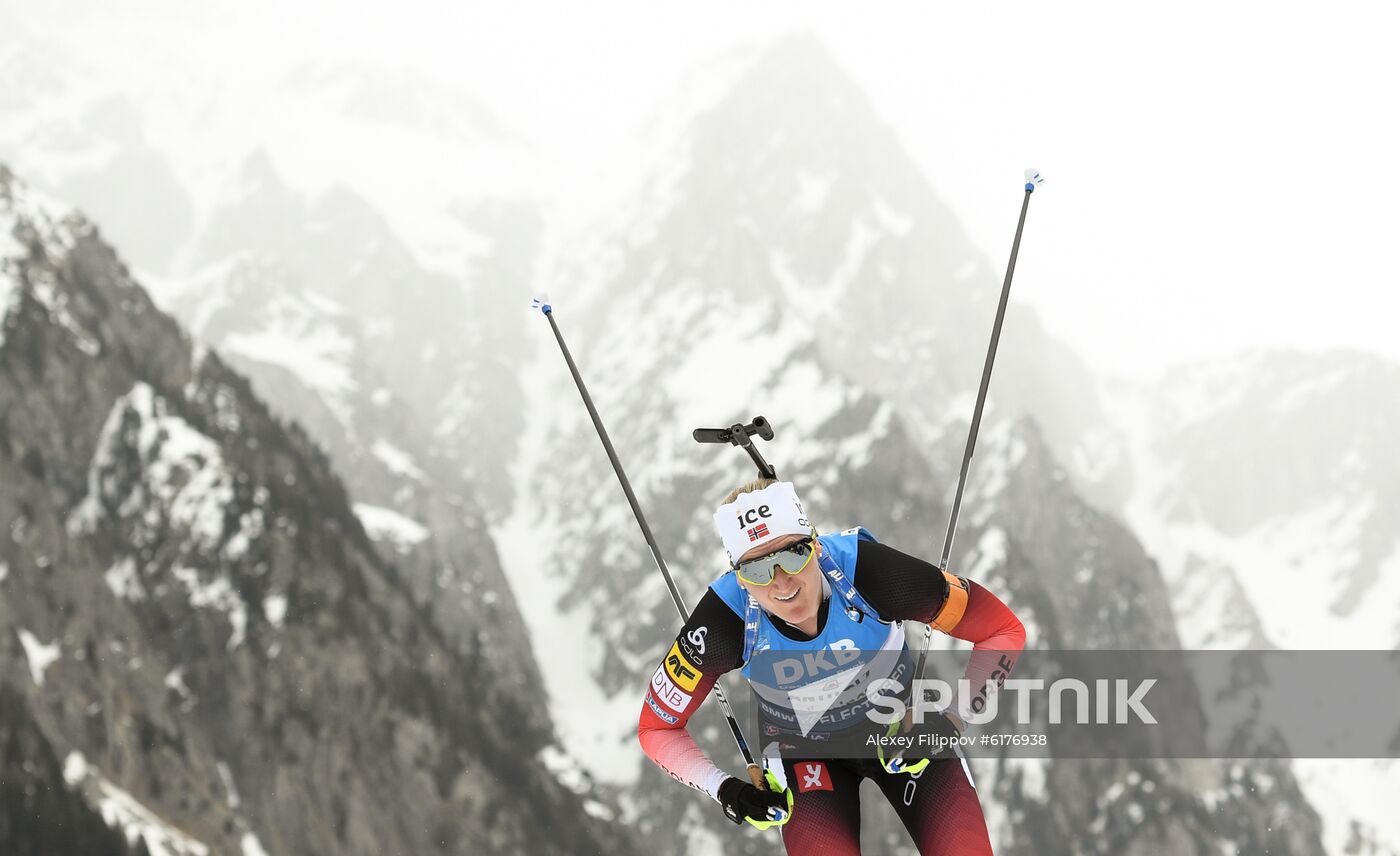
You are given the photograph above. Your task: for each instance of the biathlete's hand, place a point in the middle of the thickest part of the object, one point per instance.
(761, 808)
(943, 728)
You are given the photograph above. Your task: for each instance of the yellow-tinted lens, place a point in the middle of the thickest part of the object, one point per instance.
(791, 560)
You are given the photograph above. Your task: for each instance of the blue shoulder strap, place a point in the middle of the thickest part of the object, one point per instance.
(847, 589)
(751, 613)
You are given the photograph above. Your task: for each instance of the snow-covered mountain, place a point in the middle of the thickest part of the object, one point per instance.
(779, 181)
(1280, 465)
(196, 632)
(355, 241)
(786, 258)
(325, 288)
(399, 198)
(83, 142)
(364, 303)
(391, 370)
(1268, 488)
(151, 151)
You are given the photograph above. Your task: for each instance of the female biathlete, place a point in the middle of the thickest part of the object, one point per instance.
(835, 593)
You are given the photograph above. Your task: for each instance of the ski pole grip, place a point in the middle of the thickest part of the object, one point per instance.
(756, 776)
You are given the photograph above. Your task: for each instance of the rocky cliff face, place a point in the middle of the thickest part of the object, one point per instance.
(194, 622)
(41, 814)
(369, 316)
(393, 371)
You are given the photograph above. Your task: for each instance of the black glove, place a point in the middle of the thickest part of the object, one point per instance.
(940, 726)
(762, 808)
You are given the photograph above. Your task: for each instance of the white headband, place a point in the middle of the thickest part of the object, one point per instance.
(759, 517)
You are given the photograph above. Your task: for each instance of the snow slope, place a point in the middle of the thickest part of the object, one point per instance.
(1267, 486)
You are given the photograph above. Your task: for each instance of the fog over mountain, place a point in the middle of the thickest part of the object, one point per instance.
(701, 281)
(1267, 487)
(347, 522)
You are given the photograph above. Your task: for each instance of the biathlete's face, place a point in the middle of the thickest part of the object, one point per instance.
(795, 598)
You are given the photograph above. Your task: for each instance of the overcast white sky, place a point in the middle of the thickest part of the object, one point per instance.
(1218, 174)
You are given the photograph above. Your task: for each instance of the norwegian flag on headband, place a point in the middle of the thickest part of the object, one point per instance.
(760, 516)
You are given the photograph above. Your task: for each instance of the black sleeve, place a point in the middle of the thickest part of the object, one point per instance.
(713, 636)
(898, 585)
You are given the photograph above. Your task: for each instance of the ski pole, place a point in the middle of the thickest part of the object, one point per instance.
(542, 304)
(1033, 180)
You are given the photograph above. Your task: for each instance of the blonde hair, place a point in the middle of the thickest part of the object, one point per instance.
(748, 487)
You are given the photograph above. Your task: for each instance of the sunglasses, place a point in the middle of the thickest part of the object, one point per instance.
(763, 570)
